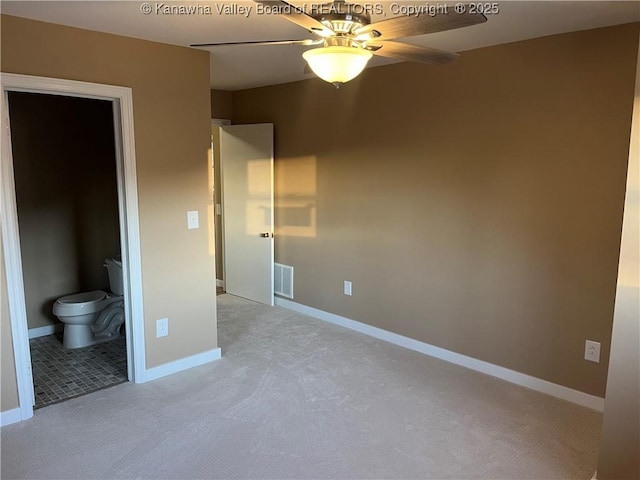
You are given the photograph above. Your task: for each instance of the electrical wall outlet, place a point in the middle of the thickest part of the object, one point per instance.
(162, 327)
(347, 288)
(592, 351)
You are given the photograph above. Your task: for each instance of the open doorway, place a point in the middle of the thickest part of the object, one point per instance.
(65, 178)
(119, 103)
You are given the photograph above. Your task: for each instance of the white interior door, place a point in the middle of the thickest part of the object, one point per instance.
(246, 161)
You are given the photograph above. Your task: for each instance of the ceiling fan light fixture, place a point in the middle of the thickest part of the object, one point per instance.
(337, 64)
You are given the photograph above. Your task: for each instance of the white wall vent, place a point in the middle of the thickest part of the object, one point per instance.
(283, 280)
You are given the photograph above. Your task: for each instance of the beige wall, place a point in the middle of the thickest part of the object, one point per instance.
(8, 384)
(476, 207)
(221, 104)
(66, 191)
(620, 451)
(171, 100)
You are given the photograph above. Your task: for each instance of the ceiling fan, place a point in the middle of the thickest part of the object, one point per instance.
(349, 39)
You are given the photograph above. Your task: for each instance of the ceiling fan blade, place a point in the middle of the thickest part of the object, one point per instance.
(297, 16)
(411, 53)
(408, 26)
(267, 42)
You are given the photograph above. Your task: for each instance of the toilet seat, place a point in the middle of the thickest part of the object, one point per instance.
(95, 316)
(79, 303)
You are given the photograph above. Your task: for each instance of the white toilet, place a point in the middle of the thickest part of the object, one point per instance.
(93, 317)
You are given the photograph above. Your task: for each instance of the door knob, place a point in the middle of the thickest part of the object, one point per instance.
(265, 235)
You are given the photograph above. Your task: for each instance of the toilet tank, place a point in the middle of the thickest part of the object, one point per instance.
(114, 268)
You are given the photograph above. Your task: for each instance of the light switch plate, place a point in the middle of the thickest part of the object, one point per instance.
(348, 288)
(192, 219)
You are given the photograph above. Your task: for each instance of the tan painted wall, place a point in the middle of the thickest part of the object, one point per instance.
(8, 384)
(66, 189)
(171, 98)
(221, 104)
(620, 451)
(476, 207)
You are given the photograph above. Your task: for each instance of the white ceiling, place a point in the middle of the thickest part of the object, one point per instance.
(239, 67)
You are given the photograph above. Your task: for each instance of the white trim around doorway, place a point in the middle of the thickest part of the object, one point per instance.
(218, 215)
(122, 99)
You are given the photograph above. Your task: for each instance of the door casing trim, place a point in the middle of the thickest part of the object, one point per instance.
(122, 100)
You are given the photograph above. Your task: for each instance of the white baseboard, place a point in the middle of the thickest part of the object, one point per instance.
(522, 379)
(182, 364)
(46, 330)
(219, 283)
(10, 416)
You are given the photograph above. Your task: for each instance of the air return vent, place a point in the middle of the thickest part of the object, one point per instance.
(283, 280)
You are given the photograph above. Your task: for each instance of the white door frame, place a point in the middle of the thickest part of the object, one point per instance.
(122, 100)
(217, 123)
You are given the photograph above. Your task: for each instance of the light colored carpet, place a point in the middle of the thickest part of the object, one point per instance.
(294, 397)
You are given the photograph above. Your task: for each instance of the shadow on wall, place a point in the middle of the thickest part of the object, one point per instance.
(46, 310)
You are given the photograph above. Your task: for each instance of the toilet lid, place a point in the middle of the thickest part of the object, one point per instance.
(86, 297)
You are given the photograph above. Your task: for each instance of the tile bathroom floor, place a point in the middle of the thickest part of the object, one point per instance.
(60, 374)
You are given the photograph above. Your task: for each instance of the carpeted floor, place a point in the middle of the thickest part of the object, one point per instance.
(294, 397)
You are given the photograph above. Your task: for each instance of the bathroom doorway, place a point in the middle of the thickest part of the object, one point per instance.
(65, 178)
(101, 239)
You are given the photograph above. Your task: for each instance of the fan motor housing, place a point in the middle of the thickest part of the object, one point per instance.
(343, 18)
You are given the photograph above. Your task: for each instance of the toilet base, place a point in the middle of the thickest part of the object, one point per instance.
(78, 336)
